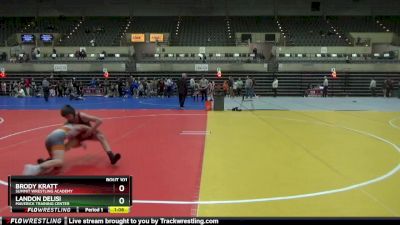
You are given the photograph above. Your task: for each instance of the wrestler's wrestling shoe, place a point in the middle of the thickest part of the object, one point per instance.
(31, 170)
(40, 161)
(114, 157)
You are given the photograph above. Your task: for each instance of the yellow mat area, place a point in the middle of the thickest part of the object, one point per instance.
(328, 163)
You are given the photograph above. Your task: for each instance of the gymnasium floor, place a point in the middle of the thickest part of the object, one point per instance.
(283, 157)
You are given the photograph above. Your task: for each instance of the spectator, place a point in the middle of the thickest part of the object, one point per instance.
(35, 91)
(174, 87)
(135, 87)
(255, 51)
(140, 89)
(308, 89)
(15, 88)
(239, 86)
(27, 84)
(275, 86)
(52, 91)
(130, 81)
(384, 87)
(182, 90)
(161, 87)
(106, 85)
(78, 54)
(60, 89)
(74, 96)
(102, 55)
(21, 92)
(202, 57)
(120, 88)
(230, 83)
(65, 88)
(149, 88)
(46, 90)
(390, 88)
(347, 59)
(211, 90)
(253, 87)
(79, 89)
(33, 53)
(225, 87)
(192, 85)
(145, 87)
(3, 88)
(248, 86)
(98, 83)
(203, 88)
(196, 92)
(372, 87)
(110, 90)
(116, 90)
(93, 83)
(54, 54)
(82, 54)
(21, 57)
(71, 86)
(235, 85)
(325, 85)
(154, 86)
(169, 85)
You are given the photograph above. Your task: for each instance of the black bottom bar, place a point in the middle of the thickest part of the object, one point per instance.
(200, 221)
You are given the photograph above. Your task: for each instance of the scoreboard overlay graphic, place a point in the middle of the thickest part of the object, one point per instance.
(86, 194)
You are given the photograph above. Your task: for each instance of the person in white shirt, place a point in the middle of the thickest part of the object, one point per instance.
(235, 87)
(203, 88)
(169, 84)
(21, 93)
(192, 84)
(239, 86)
(372, 87)
(275, 86)
(325, 90)
(196, 92)
(210, 91)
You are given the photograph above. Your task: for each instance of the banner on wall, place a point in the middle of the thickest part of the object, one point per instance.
(156, 37)
(60, 68)
(137, 38)
(201, 67)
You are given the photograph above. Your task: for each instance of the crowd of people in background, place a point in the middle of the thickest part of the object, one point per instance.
(143, 87)
(239, 87)
(21, 88)
(388, 88)
(139, 87)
